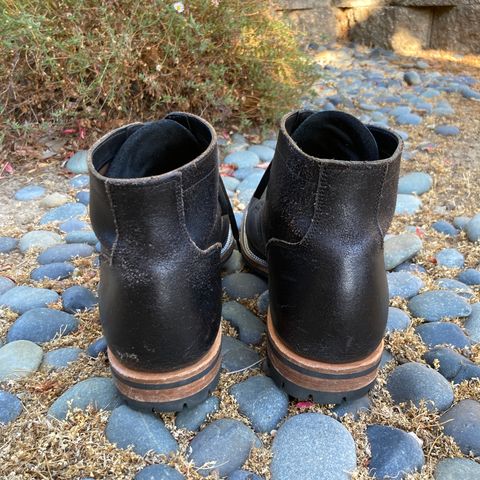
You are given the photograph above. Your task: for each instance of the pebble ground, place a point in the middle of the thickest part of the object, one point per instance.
(62, 416)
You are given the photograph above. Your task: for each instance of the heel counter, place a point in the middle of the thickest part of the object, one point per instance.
(160, 302)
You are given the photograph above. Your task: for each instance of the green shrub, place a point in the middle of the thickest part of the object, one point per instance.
(225, 59)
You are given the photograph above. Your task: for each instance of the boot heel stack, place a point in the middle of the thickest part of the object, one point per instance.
(173, 390)
(317, 220)
(323, 382)
(157, 208)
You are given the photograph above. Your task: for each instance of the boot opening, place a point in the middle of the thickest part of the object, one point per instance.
(333, 135)
(153, 148)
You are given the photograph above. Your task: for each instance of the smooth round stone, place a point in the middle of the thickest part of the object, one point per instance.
(73, 225)
(250, 328)
(54, 200)
(8, 244)
(42, 325)
(387, 357)
(473, 228)
(142, 430)
(461, 222)
(450, 257)
(83, 197)
(60, 358)
(97, 347)
(462, 422)
(19, 359)
(78, 298)
(472, 323)
(40, 239)
(5, 284)
(64, 253)
(414, 382)
(400, 110)
(415, 182)
(457, 469)
(31, 192)
(438, 304)
(251, 182)
(470, 276)
(261, 401)
(469, 93)
(407, 204)
(52, 271)
(446, 111)
(408, 119)
(242, 159)
(264, 153)
(263, 302)
(234, 263)
(225, 445)
(270, 143)
(80, 181)
(424, 107)
(430, 93)
(455, 286)
(403, 284)
(64, 212)
(231, 183)
(353, 407)
(78, 162)
(244, 475)
(452, 365)
(445, 227)
(10, 408)
(397, 320)
(237, 356)
(447, 130)
(82, 236)
(96, 391)
(159, 472)
(399, 248)
(442, 333)
(243, 285)
(409, 267)
(23, 298)
(394, 452)
(412, 78)
(243, 173)
(312, 446)
(193, 418)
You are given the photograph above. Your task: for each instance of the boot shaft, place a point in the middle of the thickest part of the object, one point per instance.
(161, 237)
(334, 195)
(325, 221)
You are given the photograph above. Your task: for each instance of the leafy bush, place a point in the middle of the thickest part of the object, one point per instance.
(225, 59)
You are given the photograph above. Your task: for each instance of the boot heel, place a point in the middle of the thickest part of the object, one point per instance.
(322, 382)
(169, 391)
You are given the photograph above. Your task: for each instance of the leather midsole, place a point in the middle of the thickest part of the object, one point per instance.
(320, 376)
(168, 386)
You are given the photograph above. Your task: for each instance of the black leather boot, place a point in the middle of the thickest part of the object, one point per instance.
(161, 213)
(316, 225)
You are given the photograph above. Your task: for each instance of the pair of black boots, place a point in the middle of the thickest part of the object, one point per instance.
(315, 226)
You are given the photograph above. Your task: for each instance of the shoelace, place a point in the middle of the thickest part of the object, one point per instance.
(226, 208)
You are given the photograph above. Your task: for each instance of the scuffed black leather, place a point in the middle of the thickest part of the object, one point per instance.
(320, 224)
(161, 236)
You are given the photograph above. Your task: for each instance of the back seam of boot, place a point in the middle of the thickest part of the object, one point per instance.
(379, 198)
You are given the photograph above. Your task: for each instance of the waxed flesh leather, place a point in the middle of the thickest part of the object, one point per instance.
(320, 223)
(161, 237)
